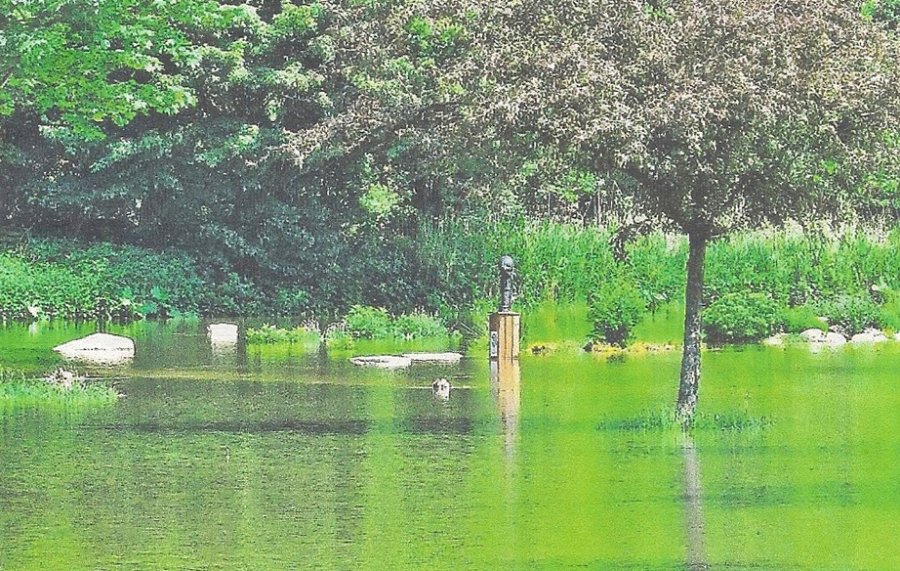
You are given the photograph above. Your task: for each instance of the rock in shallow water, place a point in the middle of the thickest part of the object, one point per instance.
(449, 358)
(383, 361)
(99, 348)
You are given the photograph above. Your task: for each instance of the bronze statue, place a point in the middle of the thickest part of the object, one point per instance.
(507, 271)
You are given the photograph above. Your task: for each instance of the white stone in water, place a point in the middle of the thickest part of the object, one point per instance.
(449, 358)
(383, 361)
(222, 334)
(813, 335)
(99, 348)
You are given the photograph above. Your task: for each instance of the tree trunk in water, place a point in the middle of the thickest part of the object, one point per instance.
(689, 384)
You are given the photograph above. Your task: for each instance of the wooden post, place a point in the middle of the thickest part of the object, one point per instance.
(504, 336)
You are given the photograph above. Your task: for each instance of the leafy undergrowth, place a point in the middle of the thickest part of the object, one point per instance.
(666, 420)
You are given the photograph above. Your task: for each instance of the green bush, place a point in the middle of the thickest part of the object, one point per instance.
(740, 318)
(852, 313)
(614, 309)
(799, 319)
(272, 334)
(368, 322)
(418, 325)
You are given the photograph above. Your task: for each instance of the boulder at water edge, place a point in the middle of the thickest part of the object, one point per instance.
(99, 348)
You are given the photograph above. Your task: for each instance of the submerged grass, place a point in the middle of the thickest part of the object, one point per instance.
(17, 390)
(662, 420)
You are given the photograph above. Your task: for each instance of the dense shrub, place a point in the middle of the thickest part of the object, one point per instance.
(272, 334)
(853, 313)
(740, 318)
(31, 290)
(614, 309)
(800, 319)
(368, 322)
(418, 325)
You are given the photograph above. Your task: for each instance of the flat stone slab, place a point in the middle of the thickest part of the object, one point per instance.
(222, 333)
(449, 358)
(100, 348)
(382, 361)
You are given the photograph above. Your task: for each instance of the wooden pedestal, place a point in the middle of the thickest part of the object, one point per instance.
(504, 336)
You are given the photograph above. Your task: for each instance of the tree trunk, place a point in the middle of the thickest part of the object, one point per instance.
(689, 384)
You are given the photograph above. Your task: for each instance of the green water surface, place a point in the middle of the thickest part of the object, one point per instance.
(265, 460)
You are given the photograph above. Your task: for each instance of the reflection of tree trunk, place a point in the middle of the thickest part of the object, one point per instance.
(505, 382)
(689, 384)
(693, 508)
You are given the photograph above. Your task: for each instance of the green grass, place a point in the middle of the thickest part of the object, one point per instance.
(665, 420)
(17, 391)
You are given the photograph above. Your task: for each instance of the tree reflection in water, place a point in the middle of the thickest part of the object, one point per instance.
(693, 507)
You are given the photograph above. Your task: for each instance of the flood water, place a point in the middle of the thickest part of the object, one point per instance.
(268, 459)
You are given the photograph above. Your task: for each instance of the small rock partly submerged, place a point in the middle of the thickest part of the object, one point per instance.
(382, 361)
(449, 358)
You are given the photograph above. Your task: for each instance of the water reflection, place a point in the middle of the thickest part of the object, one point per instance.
(695, 535)
(506, 388)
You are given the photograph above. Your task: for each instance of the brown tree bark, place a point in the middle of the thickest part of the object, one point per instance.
(689, 383)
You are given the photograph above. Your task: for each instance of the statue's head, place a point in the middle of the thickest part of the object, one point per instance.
(506, 264)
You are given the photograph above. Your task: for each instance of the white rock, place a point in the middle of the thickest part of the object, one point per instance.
(99, 348)
(776, 340)
(834, 339)
(222, 334)
(896, 336)
(450, 358)
(383, 361)
(813, 335)
(869, 336)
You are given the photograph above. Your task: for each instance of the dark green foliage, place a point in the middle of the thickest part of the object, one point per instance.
(853, 313)
(885, 11)
(615, 308)
(740, 318)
